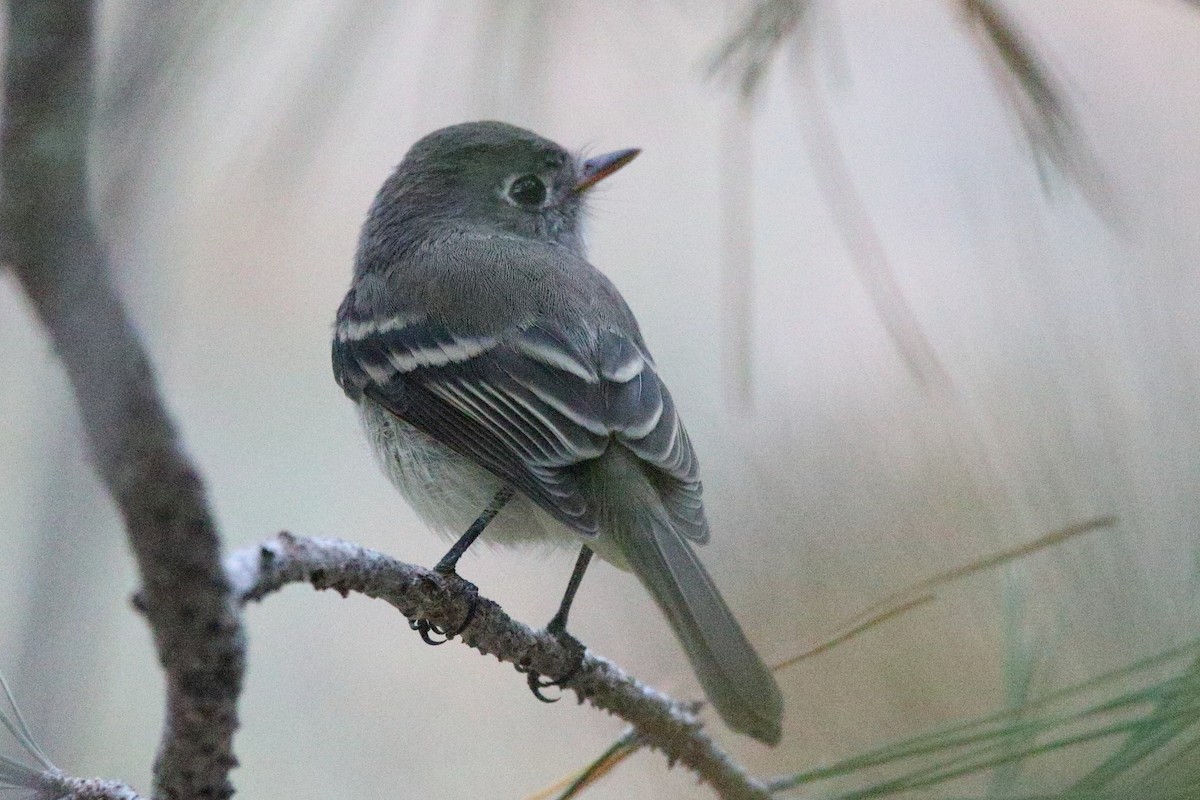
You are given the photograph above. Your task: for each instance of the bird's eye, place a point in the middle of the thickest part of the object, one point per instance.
(528, 191)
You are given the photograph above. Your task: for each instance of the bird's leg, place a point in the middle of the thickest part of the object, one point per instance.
(558, 629)
(450, 560)
(559, 623)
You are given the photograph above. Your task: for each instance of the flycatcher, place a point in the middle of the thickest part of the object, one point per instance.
(504, 383)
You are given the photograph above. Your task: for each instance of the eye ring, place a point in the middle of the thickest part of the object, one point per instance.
(527, 191)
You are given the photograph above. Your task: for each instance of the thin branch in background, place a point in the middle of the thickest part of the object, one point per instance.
(920, 593)
(1010, 554)
(625, 746)
(1038, 103)
(858, 627)
(51, 243)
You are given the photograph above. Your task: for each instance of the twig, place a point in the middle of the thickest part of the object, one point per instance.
(854, 630)
(920, 593)
(662, 723)
(54, 785)
(49, 240)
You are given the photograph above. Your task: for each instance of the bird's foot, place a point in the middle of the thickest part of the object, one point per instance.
(537, 682)
(428, 630)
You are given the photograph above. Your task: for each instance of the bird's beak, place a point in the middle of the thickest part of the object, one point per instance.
(598, 168)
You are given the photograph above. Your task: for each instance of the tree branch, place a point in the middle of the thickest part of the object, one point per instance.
(49, 240)
(662, 723)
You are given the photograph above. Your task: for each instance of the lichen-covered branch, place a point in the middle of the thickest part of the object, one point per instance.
(55, 785)
(49, 241)
(662, 723)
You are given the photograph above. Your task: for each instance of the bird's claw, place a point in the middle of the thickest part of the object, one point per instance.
(428, 630)
(537, 682)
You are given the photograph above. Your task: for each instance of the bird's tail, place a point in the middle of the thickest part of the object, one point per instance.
(734, 678)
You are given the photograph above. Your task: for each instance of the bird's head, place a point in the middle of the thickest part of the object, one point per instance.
(492, 176)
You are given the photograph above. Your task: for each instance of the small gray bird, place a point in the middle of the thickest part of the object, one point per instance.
(504, 383)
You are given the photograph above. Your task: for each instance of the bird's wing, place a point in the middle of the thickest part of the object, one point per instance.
(530, 405)
(650, 427)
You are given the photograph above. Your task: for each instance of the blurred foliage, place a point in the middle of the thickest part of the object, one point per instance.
(1156, 716)
(1027, 84)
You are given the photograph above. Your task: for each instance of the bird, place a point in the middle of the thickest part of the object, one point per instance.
(506, 388)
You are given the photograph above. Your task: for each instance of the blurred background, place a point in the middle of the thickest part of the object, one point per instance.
(913, 311)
